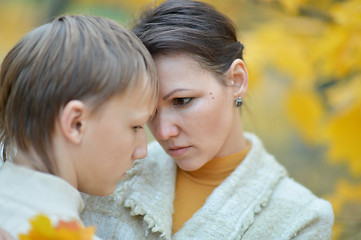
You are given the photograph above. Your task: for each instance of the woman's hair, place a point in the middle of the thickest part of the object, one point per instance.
(193, 28)
(74, 57)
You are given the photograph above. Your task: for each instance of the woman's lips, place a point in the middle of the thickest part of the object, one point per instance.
(177, 151)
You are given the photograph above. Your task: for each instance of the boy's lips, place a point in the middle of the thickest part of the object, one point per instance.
(177, 151)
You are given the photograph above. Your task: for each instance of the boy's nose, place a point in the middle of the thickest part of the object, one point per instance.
(141, 151)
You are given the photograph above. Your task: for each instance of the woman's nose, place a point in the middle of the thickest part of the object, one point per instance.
(164, 126)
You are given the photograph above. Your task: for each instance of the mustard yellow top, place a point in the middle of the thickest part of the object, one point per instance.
(193, 188)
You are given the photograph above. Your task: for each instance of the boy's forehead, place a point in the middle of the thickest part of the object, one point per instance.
(138, 108)
(143, 92)
(140, 97)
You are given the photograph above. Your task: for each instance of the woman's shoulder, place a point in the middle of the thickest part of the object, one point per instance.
(296, 211)
(287, 189)
(292, 212)
(292, 208)
(290, 193)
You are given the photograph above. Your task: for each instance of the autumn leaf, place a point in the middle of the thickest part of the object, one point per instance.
(42, 229)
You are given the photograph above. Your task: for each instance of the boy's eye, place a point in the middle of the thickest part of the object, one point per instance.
(182, 101)
(136, 128)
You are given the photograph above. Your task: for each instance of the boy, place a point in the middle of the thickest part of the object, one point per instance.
(74, 97)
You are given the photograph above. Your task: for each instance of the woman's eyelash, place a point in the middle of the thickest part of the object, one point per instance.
(182, 101)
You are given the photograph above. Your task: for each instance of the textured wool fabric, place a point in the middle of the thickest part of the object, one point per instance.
(25, 193)
(257, 201)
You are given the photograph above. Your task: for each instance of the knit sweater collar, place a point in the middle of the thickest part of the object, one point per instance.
(149, 190)
(253, 181)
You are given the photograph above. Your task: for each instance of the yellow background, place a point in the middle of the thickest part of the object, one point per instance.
(304, 101)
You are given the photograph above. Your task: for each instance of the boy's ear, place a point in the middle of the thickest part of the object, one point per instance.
(238, 76)
(72, 121)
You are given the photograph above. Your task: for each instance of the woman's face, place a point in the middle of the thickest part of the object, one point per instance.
(195, 119)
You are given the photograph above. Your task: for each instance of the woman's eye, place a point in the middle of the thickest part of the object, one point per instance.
(182, 101)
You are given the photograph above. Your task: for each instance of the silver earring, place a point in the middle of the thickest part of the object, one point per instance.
(238, 102)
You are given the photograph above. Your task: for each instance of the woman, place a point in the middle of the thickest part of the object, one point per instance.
(205, 178)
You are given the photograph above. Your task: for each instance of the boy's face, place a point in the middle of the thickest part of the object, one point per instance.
(113, 139)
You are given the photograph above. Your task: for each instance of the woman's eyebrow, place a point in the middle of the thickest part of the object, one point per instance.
(174, 91)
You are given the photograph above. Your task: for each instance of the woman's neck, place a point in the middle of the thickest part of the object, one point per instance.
(235, 140)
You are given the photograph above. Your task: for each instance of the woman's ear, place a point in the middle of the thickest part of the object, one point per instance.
(72, 121)
(238, 76)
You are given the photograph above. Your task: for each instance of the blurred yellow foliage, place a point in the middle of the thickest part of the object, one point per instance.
(42, 229)
(345, 138)
(291, 6)
(306, 112)
(15, 20)
(340, 48)
(319, 51)
(280, 49)
(345, 193)
(322, 57)
(311, 47)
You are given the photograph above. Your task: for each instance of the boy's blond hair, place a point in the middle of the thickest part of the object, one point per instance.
(74, 57)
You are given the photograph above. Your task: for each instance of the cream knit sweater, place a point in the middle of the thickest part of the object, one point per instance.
(25, 193)
(257, 201)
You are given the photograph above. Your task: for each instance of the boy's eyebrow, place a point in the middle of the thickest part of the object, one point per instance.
(174, 91)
